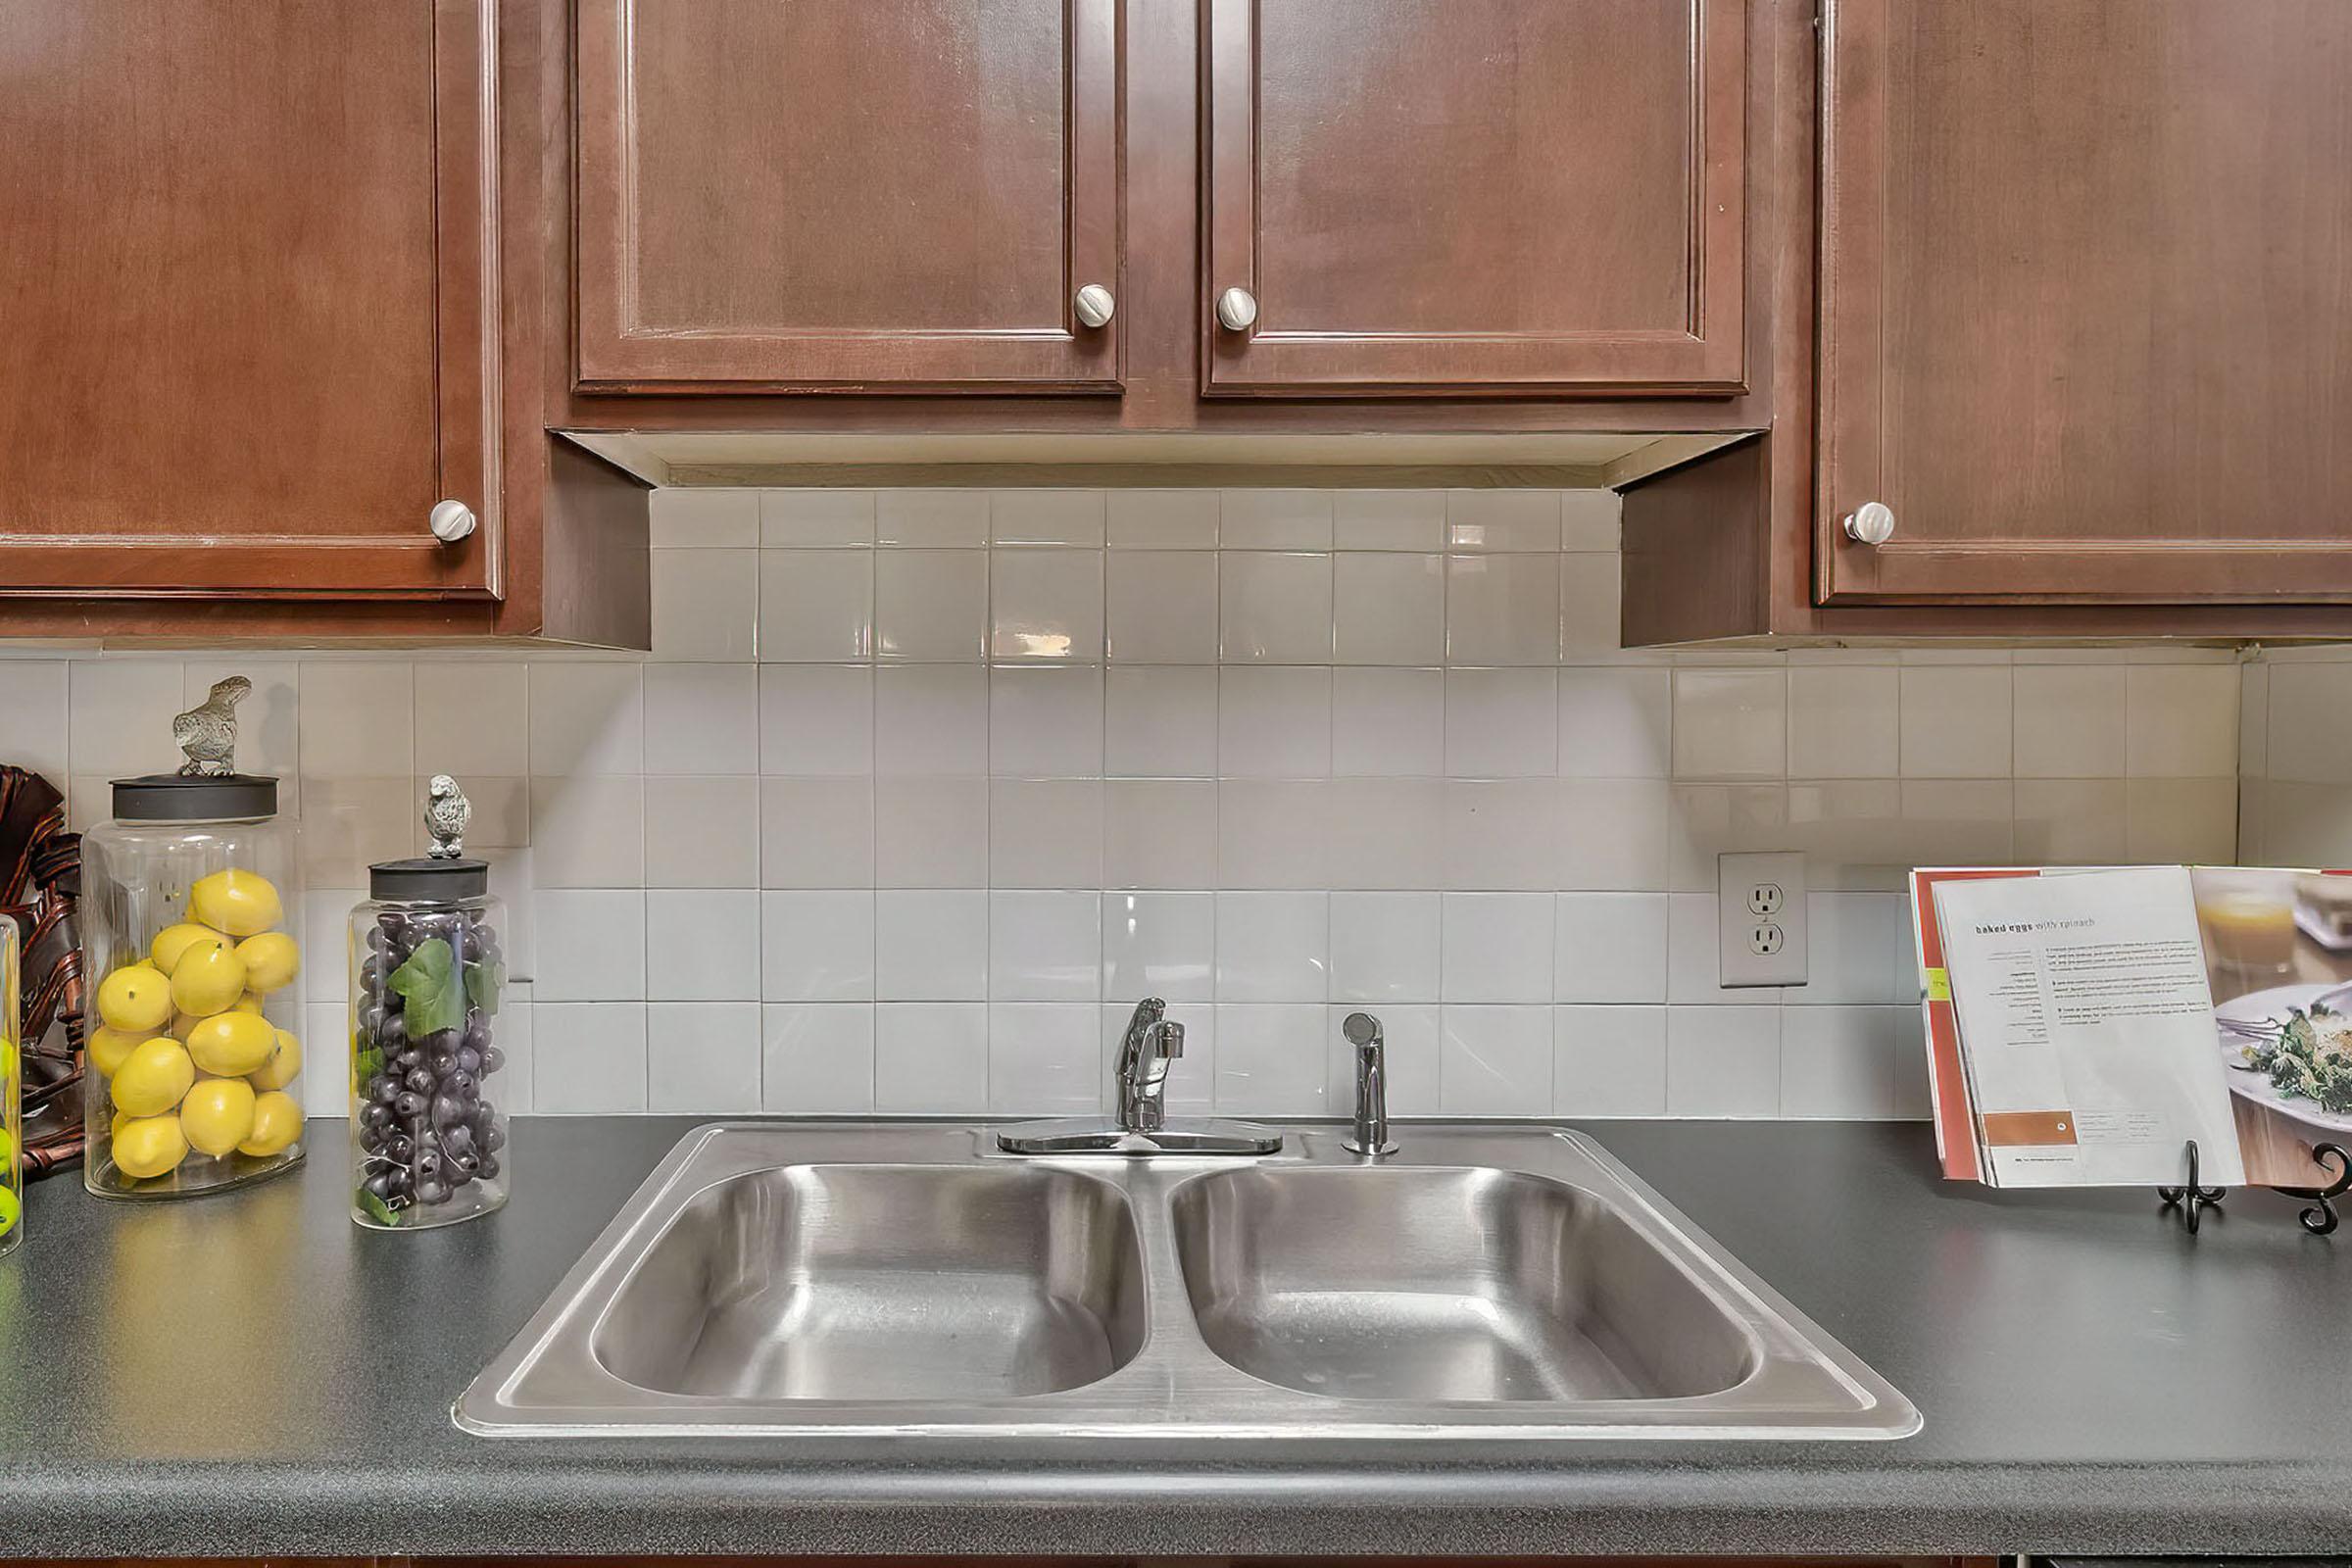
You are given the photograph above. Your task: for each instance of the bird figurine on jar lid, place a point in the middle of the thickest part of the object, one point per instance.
(446, 813)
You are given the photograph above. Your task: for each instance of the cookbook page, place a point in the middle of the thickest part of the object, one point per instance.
(2087, 1023)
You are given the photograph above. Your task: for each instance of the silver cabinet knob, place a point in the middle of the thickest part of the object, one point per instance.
(1870, 523)
(451, 522)
(1237, 310)
(1094, 305)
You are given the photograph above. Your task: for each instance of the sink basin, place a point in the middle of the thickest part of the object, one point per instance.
(882, 1282)
(1507, 1284)
(1446, 1285)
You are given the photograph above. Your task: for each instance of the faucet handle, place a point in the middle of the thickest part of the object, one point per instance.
(1168, 1036)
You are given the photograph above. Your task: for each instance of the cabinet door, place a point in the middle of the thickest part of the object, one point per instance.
(878, 196)
(2085, 316)
(1475, 196)
(247, 297)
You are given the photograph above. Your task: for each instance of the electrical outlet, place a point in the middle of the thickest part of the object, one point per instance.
(1761, 902)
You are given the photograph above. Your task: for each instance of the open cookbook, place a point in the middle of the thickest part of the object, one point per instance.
(2085, 1024)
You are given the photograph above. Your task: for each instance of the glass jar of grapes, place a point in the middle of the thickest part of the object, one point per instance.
(429, 1143)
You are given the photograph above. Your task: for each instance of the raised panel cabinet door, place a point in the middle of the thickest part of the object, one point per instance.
(1474, 196)
(884, 195)
(248, 298)
(2087, 301)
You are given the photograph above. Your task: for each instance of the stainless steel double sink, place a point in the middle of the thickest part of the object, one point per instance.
(773, 1278)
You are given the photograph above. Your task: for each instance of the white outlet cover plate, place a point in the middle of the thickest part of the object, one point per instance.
(1756, 895)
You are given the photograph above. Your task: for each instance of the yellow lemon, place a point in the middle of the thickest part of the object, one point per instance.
(270, 959)
(149, 1145)
(154, 1076)
(231, 1044)
(242, 904)
(172, 942)
(284, 1063)
(136, 998)
(209, 979)
(276, 1122)
(218, 1115)
(107, 1048)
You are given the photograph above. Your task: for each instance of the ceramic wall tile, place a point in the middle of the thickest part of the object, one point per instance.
(932, 519)
(1615, 723)
(473, 718)
(804, 520)
(1160, 606)
(706, 604)
(1385, 947)
(2070, 721)
(705, 519)
(1045, 604)
(1274, 608)
(601, 1069)
(1159, 945)
(818, 720)
(33, 716)
(702, 944)
(1723, 1061)
(703, 1057)
(1502, 609)
(1276, 520)
(1045, 517)
(1161, 520)
(931, 606)
(1956, 722)
(699, 832)
(1608, 1062)
(816, 1058)
(815, 605)
(1388, 608)
(1389, 520)
(1609, 948)
(1495, 1060)
(1842, 721)
(818, 947)
(930, 1057)
(701, 718)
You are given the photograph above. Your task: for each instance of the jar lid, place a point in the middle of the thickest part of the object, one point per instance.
(194, 797)
(424, 877)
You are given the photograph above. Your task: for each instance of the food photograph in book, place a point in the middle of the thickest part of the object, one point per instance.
(2279, 955)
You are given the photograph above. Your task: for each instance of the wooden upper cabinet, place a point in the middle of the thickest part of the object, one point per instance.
(2086, 300)
(247, 297)
(885, 195)
(1475, 196)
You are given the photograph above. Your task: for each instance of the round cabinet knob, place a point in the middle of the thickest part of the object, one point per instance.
(1094, 305)
(451, 522)
(1870, 523)
(1237, 310)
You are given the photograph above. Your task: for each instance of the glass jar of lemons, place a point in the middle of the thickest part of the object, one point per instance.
(12, 1096)
(194, 1050)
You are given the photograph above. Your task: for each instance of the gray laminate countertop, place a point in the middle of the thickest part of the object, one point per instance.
(249, 1374)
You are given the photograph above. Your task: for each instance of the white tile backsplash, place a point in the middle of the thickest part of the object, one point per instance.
(921, 789)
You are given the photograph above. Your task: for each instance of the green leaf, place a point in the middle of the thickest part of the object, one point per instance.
(482, 983)
(366, 1064)
(430, 986)
(375, 1208)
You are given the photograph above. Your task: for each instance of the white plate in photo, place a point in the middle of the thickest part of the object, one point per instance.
(2272, 1007)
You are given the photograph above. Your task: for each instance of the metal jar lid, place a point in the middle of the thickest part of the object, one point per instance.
(194, 798)
(425, 879)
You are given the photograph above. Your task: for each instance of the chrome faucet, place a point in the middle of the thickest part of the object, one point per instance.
(1141, 1126)
(1150, 1042)
(1370, 1134)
